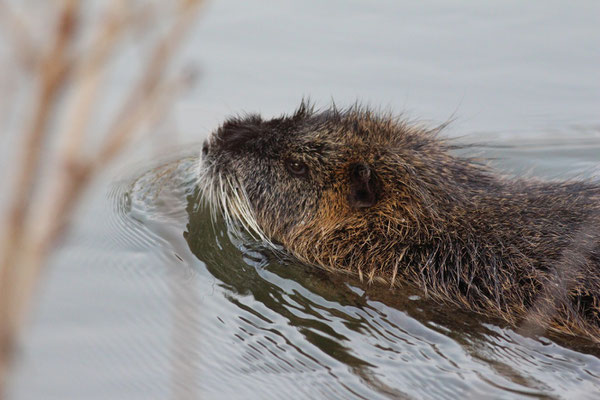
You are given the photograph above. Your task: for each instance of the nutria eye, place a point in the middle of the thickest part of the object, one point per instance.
(296, 167)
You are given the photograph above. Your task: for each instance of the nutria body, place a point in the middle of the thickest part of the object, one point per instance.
(371, 195)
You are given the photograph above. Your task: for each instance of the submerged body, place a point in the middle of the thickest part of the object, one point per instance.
(369, 194)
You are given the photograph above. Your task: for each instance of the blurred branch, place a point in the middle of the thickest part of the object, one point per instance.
(25, 49)
(36, 219)
(89, 74)
(119, 133)
(52, 74)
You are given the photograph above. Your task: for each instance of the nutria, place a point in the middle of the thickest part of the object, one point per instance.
(363, 192)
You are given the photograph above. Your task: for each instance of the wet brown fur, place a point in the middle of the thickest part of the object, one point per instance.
(524, 250)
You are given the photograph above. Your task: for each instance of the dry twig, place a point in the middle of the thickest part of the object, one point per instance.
(19, 32)
(36, 219)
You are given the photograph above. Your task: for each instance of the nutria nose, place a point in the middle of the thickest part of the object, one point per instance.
(235, 134)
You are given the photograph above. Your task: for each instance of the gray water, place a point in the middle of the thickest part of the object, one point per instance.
(146, 299)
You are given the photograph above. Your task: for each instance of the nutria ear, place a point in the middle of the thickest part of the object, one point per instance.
(362, 186)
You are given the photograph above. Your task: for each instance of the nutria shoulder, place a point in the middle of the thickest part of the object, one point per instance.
(372, 195)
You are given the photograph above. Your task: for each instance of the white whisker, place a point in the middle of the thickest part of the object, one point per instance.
(225, 195)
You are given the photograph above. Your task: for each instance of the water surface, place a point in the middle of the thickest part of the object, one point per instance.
(147, 298)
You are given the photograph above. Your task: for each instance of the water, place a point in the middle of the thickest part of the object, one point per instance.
(146, 299)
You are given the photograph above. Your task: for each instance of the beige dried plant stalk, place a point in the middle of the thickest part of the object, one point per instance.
(68, 81)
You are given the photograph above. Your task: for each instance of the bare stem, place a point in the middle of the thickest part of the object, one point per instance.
(35, 220)
(52, 77)
(20, 33)
(148, 82)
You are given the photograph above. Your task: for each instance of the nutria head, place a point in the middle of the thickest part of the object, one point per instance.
(328, 184)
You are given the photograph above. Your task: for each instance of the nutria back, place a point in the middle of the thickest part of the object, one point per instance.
(369, 194)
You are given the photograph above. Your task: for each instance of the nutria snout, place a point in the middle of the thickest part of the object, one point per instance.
(372, 195)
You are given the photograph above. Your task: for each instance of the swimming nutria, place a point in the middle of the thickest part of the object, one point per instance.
(370, 194)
